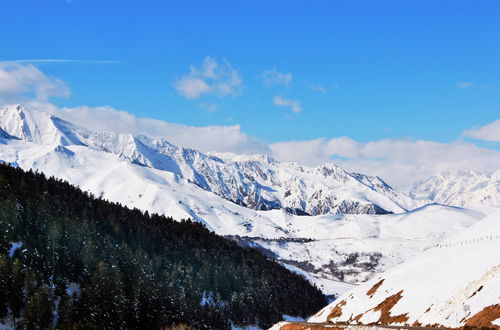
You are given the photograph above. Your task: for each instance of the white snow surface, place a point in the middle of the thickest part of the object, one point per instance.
(436, 284)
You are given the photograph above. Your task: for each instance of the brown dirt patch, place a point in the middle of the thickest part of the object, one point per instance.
(306, 326)
(416, 324)
(358, 317)
(485, 317)
(435, 325)
(374, 288)
(385, 310)
(336, 311)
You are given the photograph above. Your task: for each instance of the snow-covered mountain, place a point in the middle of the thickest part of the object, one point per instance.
(258, 182)
(461, 188)
(452, 284)
(254, 199)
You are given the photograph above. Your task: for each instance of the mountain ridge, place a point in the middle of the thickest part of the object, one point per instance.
(258, 182)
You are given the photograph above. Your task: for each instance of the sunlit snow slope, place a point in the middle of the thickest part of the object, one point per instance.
(451, 284)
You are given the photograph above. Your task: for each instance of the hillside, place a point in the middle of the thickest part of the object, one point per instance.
(453, 284)
(71, 260)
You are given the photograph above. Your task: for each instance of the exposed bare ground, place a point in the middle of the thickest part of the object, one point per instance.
(320, 326)
(385, 310)
(336, 311)
(484, 318)
(374, 288)
(308, 326)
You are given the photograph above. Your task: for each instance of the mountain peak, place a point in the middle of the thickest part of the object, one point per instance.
(37, 126)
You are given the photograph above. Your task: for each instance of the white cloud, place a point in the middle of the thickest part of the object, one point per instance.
(399, 162)
(211, 78)
(192, 87)
(465, 84)
(274, 77)
(283, 102)
(489, 132)
(21, 82)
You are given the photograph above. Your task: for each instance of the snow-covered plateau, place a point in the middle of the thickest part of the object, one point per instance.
(335, 227)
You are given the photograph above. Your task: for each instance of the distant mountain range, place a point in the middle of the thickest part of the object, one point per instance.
(460, 188)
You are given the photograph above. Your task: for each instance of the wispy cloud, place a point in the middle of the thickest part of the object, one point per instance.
(284, 102)
(211, 78)
(209, 107)
(319, 88)
(465, 84)
(274, 77)
(324, 89)
(489, 132)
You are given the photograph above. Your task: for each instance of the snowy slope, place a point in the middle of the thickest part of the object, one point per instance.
(354, 248)
(433, 287)
(461, 188)
(258, 182)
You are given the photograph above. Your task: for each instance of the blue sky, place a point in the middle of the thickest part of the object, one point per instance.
(381, 69)
(400, 89)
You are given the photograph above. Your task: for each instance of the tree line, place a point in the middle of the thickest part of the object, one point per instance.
(69, 260)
